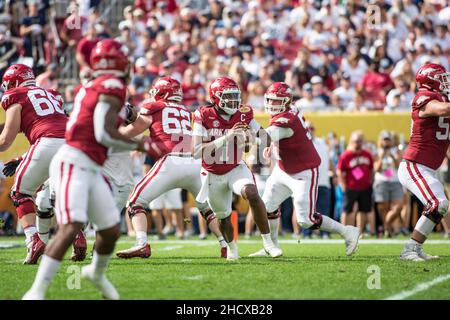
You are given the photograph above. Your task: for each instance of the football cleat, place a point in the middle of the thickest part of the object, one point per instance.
(33, 295)
(79, 247)
(260, 253)
(142, 251)
(414, 252)
(274, 252)
(101, 282)
(223, 252)
(351, 236)
(36, 248)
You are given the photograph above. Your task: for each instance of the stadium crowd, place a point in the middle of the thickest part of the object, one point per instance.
(336, 55)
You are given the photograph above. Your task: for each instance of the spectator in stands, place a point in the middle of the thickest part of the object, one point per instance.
(388, 191)
(355, 175)
(127, 38)
(33, 30)
(49, 78)
(376, 83)
(355, 66)
(85, 46)
(399, 98)
(319, 91)
(73, 26)
(343, 95)
(309, 102)
(193, 91)
(9, 49)
(141, 80)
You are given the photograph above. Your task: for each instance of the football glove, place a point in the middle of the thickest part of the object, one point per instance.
(11, 166)
(130, 113)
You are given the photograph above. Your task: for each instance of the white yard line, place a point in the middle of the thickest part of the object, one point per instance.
(419, 288)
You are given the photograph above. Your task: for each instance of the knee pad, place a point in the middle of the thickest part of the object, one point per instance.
(208, 215)
(135, 209)
(24, 204)
(314, 225)
(274, 215)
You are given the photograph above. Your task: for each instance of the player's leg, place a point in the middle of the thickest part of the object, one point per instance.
(173, 204)
(242, 183)
(423, 183)
(304, 189)
(44, 212)
(105, 218)
(71, 198)
(161, 178)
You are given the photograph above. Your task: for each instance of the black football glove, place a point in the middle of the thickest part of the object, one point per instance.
(130, 113)
(11, 166)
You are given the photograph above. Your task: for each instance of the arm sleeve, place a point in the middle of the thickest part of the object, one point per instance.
(277, 133)
(101, 109)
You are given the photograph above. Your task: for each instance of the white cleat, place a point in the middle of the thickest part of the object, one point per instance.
(260, 253)
(414, 252)
(101, 282)
(274, 252)
(351, 237)
(33, 295)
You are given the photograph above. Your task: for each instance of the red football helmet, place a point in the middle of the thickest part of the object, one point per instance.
(224, 93)
(434, 77)
(110, 57)
(277, 98)
(167, 88)
(18, 75)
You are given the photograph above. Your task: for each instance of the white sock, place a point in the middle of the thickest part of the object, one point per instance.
(267, 240)
(141, 238)
(100, 262)
(425, 226)
(413, 242)
(331, 225)
(274, 224)
(232, 246)
(222, 242)
(29, 232)
(43, 228)
(47, 270)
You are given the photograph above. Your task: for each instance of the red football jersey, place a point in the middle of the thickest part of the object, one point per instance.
(80, 128)
(297, 153)
(42, 112)
(430, 137)
(358, 167)
(170, 129)
(214, 126)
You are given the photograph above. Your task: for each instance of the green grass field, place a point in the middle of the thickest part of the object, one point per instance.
(191, 269)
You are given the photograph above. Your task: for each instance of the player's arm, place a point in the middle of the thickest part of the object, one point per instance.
(277, 133)
(140, 125)
(200, 146)
(435, 108)
(341, 179)
(11, 127)
(105, 125)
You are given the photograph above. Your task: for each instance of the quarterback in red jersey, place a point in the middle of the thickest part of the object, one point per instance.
(430, 138)
(169, 123)
(82, 193)
(39, 114)
(216, 128)
(296, 171)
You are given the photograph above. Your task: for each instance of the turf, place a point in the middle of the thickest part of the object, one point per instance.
(192, 270)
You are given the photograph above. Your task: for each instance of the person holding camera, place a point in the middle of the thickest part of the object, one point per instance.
(388, 191)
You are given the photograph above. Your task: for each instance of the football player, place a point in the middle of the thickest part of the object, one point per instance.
(222, 131)
(82, 193)
(296, 171)
(430, 138)
(169, 123)
(39, 114)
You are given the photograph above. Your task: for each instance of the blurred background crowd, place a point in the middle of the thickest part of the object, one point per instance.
(337, 55)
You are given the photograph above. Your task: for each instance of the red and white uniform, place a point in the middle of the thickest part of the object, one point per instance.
(171, 135)
(296, 173)
(429, 141)
(82, 191)
(223, 171)
(43, 121)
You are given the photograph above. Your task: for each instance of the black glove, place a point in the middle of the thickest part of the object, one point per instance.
(130, 113)
(11, 166)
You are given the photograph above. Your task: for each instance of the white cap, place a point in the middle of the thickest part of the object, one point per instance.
(231, 42)
(141, 62)
(316, 79)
